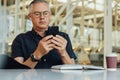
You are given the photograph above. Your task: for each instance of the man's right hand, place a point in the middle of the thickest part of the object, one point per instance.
(44, 46)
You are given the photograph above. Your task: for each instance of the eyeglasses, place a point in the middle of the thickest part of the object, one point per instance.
(44, 13)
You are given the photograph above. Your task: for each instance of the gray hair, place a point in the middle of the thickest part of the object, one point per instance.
(36, 1)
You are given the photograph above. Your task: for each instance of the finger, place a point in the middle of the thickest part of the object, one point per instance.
(57, 47)
(47, 37)
(56, 42)
(48, 41)
(51, 46)
(60, 37)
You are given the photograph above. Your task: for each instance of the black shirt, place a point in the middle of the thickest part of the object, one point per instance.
(26, 43)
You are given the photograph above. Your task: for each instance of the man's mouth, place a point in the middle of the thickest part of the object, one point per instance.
(42, 22)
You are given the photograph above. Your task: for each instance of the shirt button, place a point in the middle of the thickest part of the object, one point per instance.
(44, 60)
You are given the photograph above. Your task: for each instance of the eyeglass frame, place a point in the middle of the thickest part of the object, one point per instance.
(44, 13)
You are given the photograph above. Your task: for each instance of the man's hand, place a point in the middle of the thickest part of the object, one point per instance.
(60, 44)
(44, 46)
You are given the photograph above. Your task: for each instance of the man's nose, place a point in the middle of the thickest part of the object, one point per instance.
(41, 15)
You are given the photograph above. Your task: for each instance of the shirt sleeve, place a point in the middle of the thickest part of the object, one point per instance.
(17, 47)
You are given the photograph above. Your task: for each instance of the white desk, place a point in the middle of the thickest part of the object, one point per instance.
(48, 74)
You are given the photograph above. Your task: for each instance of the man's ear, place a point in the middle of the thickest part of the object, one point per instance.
(29, 17)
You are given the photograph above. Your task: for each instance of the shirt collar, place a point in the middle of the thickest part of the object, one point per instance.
(35, 33)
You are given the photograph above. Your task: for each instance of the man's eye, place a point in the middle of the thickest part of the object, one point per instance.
(37, 14)
(46, 13)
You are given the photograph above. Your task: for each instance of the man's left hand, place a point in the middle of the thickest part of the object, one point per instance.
(60, 44)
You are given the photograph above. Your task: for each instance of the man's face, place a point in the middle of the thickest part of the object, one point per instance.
(40, 15)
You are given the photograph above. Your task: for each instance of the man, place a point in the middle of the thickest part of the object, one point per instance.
(34, 48)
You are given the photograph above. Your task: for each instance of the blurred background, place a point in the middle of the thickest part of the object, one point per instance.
(83, 20)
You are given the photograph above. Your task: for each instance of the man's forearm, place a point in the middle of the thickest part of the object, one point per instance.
(66, 59)
(30, 63)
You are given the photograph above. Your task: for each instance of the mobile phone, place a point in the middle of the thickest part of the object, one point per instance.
(53, 30)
